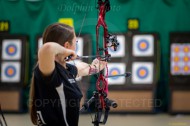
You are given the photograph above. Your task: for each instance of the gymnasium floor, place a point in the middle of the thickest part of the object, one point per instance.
(114, 120)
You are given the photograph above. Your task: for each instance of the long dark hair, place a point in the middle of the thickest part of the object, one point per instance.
(58, 33)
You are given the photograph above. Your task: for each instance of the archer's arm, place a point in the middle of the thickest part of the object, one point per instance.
(85, 69)
(47, 54)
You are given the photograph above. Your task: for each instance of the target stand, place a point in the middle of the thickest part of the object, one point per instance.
(14, 71)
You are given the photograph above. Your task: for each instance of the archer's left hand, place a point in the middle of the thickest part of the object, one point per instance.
(100, 65)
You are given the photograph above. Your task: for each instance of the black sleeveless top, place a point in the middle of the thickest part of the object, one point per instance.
(57, 97)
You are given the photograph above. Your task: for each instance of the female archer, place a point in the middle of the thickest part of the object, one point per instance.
(54, 93)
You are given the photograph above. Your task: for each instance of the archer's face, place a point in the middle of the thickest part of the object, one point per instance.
(72, 46)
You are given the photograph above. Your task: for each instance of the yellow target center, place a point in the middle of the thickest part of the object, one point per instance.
(176, 49)
(186, 68)
(142, 72)
(10, 71)
(114, 72)
(186, 49)
(186, 59)
(11, 49)
(176, 68)
(176, 59)
(143, 45)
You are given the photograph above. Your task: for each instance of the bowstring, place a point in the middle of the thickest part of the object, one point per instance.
(82, 24)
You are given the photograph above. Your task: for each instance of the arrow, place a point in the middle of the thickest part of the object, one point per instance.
(127, 74)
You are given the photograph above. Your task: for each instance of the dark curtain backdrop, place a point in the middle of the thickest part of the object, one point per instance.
(161, 16)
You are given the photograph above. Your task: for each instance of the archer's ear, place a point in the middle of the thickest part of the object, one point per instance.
(66, 44)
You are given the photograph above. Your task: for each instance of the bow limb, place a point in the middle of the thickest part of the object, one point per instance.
(101, 22)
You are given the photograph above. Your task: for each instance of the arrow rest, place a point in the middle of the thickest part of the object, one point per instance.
(106, 58)
(102, 49)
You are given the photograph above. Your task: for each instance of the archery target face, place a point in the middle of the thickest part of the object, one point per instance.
(120, 52)
(115, 69)
(79, 46)
(11, 49)
(143, 45)
(40, 43)
(180, 59)
(10, 72)
(142, 73)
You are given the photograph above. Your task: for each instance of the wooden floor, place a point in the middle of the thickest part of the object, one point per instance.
(114, 120)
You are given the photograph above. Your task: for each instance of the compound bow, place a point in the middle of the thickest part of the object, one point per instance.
(102, 103)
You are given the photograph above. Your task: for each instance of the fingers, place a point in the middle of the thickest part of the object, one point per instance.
(99, 64)
(102, 64)
(71, 55)
(96, 61)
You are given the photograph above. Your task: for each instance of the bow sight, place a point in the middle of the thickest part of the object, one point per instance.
(112, 41)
